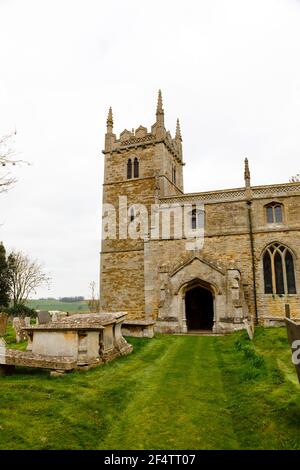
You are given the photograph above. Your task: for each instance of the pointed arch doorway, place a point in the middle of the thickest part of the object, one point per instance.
(199, 309)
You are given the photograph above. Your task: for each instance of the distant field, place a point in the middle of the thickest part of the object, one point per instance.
(57, 305)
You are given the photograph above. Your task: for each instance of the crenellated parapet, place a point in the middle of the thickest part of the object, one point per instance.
(142, 137)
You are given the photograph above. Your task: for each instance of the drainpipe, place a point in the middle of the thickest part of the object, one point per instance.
(249, 207)
(249, 211)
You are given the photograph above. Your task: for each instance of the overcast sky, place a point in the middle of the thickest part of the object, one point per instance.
(229, 69)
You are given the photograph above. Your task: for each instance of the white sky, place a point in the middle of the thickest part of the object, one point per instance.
(229, 69)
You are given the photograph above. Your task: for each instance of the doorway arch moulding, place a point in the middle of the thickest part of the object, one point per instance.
(229, 306)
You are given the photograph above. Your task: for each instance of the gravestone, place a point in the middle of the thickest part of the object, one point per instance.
(57, 315)
(293, 332)
(27, 321)
(249, 328)
(61, 315)
(44, 317)
(2, 356)
(54, 316)
(3, 323)
(2, 350)
(18, 324)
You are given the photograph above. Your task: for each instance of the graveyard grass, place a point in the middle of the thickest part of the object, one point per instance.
(172, 392)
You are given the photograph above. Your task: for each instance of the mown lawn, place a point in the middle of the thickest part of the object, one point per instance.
(172, 392)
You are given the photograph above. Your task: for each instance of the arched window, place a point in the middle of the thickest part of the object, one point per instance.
(197, 219)
(136, 168)
(129, 169)
(279, 272)
(274, 213)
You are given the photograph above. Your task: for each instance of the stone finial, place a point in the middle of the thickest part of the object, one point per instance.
(109, 136)
(160, 118)
(247, 174)
(159, 108)
(109, 121)
(178, 131)
(178, 139)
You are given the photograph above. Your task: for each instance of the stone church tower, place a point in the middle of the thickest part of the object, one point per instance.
(246, 266)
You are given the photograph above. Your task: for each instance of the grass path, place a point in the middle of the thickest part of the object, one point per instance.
(176, 405)
(172, 392)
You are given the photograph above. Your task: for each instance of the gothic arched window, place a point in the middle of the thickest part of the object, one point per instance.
(279, 271)
(136, 169)
(129, 169)
(274, 213)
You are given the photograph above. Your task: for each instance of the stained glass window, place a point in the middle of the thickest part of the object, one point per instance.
(279, 271)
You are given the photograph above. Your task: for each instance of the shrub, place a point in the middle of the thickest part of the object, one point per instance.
(20, 310)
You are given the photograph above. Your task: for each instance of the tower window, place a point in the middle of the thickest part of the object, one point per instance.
(136, 168)
(274, 213)
(197, 219)
(129, 169)
(279, 271)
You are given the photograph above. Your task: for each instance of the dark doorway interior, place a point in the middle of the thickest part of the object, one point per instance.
(199, 309)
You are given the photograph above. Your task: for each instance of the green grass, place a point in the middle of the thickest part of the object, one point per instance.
(10, 340)
(80, 307)
(172, 392)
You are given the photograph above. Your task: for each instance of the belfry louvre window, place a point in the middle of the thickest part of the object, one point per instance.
(274, 213)
(279, 271)
(196, 219)
(136, 168)
(129, 169)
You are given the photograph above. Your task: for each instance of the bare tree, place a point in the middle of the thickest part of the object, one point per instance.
(7, 159)
(25, 276)
(295, 179)
(94, 302)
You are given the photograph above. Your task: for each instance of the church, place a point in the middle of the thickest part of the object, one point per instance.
(244, 265)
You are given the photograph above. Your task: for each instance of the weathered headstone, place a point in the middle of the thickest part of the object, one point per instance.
(249, 328)
(3, 323)
(57, 315)
(2, 356)
(2, 350)
(44, 317)
(18, 324)
(61, 315)
(293, 332)
(27, 321)
(54, 316)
